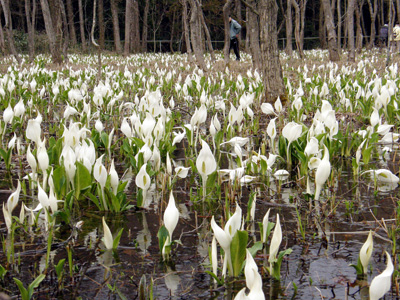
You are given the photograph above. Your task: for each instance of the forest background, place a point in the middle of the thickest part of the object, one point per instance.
(132, 26)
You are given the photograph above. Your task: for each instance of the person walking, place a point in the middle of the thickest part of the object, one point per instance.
(234, 31)
(383, 35)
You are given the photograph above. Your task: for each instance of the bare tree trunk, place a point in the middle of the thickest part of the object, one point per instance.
(297, 28)
(135, 28)
(186, 30)
(238, 6)
(289, 27)
(97, 46)
(10, 39)
(30, 22)
(145, 26)
(114, 13)
(390, 33)
(72, 33)
(397, 10)
(54, 40)
(330, 27)
(359, 35)
(102, 27)
(253, 32)
(322, 28)
(65, 31)
(350, 29)
(195, 34)
(247, 42)
(272, 69)
(339, 25)
(171, 41)
(2, 40)
(303, 4)
(128, 18)
(345, 30)
(373, 9)
(206, 31)
(82, 25)
(226, 10)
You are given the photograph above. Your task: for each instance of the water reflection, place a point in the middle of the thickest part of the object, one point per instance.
(144, 236)
(172, 281)
(106, 258)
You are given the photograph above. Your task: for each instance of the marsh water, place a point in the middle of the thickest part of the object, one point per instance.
(318, 268)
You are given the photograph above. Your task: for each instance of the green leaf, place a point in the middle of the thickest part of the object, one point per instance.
(35, 283)
(3, 272)
(366, 155)
(117, 238)
(95, 200)
(162, 236)
(219, 281)
(22, 289)
(255, 248)
(122, 296)
(83, 178)
(59, 268)
(238, 251)
(358, 267)
(104, 139)
(276, 267)
(60, 182)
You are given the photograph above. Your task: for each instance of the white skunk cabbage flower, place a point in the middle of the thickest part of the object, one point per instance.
(366, 252)
(205, 162)
(265, 226)
(380, 285)
(100, 172)
(143, 179)
(171, 216)
(292, 131)
(322, 173)
(275, 241)
(107, 239)
(383, 175)
(253, 281)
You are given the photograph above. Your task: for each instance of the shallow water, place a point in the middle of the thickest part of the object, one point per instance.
(318, 266)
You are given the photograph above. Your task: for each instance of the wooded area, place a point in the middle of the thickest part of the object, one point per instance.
(131, 26)
(195, 27)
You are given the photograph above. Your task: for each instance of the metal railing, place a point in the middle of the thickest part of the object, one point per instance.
(177, 45)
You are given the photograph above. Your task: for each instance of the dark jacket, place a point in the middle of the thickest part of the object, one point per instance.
(383, 32)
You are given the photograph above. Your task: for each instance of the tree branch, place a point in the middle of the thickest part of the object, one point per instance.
(253, 10)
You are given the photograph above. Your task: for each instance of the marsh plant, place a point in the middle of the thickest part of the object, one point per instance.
(77, 145)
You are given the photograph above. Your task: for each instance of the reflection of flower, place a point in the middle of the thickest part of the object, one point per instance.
(144, 235)
(172, 281)
(105, 258)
